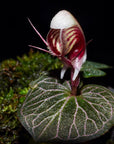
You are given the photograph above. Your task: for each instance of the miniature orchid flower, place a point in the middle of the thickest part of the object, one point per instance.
(66, 41)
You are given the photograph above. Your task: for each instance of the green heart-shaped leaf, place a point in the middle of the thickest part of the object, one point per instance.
(50, 113)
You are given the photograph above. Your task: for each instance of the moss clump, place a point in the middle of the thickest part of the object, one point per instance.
(15, 76)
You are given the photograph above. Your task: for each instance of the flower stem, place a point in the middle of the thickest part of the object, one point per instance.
(74, 84)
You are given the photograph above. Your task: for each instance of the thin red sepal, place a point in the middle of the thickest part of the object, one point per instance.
(40, 49)
(37, 32)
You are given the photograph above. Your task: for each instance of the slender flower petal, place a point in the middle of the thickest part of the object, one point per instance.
(77, 64)
(64, 69)
(37, 32)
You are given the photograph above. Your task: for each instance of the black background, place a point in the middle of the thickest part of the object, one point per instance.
(95, 17)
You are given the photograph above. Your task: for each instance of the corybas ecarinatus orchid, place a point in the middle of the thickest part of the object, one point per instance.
(66, 40)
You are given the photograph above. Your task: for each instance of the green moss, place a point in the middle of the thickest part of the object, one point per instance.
(15, 76)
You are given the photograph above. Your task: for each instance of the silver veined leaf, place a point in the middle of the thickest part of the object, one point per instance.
(50, 113)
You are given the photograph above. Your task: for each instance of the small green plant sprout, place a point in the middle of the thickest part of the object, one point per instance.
(57, 111)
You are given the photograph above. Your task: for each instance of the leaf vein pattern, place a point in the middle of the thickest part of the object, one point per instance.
(50, 100)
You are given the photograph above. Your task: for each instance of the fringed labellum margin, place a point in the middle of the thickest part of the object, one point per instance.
(66, 41)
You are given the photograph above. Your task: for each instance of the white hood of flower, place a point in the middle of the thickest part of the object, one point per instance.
(63, 19)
